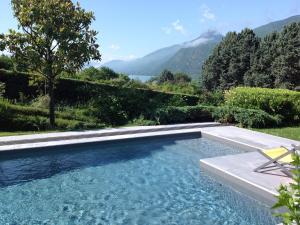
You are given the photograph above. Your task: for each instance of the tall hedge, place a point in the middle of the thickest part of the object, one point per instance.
(128, 103)
(281, 102)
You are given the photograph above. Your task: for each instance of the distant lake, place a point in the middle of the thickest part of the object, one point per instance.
(142, 78)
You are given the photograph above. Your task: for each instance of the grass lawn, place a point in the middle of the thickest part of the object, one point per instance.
(287, 132)
(15, 133)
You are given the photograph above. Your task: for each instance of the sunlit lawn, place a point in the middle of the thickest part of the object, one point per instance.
(287, 132)
(14, 133)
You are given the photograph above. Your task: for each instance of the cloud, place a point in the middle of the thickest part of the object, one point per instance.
(108, 57)
(114, 47)
(206, 13)
(176, 26)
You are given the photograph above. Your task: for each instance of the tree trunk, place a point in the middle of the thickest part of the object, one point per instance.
(51, 104)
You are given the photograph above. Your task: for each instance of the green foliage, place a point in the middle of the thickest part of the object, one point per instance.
(41, 102)
(215, 98)
(165, 76)
(6, 63)
(289, 197)
(55, 37)
(230, 60)
(16, 117)
(94, 74)
(182, 78)
(16, 83)
(201, 113)
(281, 102)
(185, 114)
(2, 89)
(141, 121)
(244, 59)
(245, 117)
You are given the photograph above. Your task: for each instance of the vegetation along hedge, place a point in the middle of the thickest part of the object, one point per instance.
(284, 103)
(21, 118)
(107, 103)
(199, 113)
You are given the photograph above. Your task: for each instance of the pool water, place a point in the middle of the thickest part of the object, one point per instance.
(144, 182)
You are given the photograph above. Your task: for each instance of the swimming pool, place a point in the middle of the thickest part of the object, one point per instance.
(149, 181)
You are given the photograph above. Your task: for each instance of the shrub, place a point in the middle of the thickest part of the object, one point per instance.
(199, 113)
(288, 199)
(6, 63)
(245, 117)
(41, 101)
(2, 89)
(281, 102)
(183, 114)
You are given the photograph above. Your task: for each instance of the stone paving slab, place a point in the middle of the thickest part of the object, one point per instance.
(246, 138)
(237, 170)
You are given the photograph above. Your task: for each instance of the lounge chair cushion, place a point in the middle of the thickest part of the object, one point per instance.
(276, 152)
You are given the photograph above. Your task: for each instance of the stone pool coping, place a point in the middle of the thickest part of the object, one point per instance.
(23, 142)
(237, 170)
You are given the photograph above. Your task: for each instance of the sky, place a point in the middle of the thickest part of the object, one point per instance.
(133, 28)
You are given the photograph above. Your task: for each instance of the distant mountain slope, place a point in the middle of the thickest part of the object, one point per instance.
(187, 57)
(191, 58)
(275, 26)
(146, 65)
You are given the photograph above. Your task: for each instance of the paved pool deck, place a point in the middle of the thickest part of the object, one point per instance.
(237, 170)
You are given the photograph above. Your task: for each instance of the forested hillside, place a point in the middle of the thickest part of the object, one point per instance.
(245, 59)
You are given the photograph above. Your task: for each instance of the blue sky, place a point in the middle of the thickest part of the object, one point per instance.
(133, 28)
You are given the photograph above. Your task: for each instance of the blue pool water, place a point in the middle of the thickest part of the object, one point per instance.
(143, 182)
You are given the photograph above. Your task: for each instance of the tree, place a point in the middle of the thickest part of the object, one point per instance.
(6, 63)
(230, 61)
(260, 73)
(166, 76)
(56, 37)
(182, 78)
(286, 67)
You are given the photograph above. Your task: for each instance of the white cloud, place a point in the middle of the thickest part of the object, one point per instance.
(206, 13)
(114, 47)
(107, 57)
(176, 26)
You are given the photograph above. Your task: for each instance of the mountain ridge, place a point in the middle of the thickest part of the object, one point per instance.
(187, 57)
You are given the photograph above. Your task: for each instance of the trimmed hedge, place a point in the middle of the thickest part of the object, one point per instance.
(281, 102)
(127, 103)
(199, 113)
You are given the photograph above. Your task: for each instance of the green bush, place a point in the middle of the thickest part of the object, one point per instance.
(281, 102)
(2, 89)
(185, 114)
(6, 63)
(245, 117)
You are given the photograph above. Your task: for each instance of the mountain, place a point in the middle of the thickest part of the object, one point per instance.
(275, 26)
(190, 58)
(146, 65)
(187, 57)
